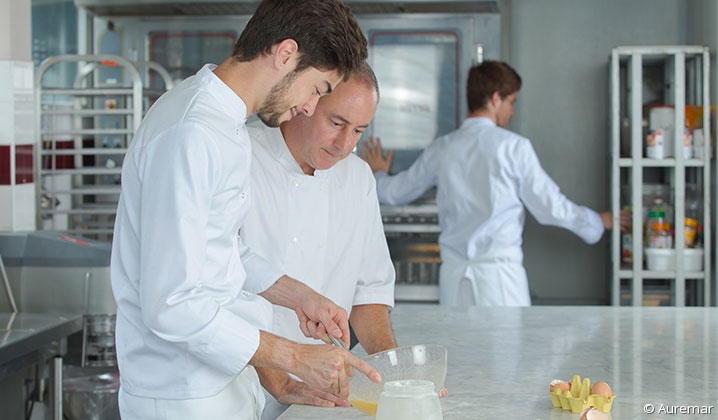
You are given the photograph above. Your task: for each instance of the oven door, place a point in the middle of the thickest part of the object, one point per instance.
(421, 62)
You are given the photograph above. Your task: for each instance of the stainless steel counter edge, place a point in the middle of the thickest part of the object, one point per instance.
(27, 337)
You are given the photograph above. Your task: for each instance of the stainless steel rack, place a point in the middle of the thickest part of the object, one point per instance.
(84, 131)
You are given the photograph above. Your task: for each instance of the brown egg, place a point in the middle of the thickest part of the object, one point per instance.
(601, 387)
(563, 386)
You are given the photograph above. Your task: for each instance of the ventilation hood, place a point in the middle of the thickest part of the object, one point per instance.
(155, 8)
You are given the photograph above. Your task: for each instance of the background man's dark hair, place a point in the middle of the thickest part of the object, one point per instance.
(487, 78)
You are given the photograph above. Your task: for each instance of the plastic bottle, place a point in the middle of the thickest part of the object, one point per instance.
(689, 231)
(656, 218)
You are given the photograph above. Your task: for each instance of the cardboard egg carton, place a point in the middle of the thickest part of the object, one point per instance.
(579, 397)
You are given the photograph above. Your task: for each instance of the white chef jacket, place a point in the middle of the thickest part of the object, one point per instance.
(185, 326)
(324, 230)
(485, 175)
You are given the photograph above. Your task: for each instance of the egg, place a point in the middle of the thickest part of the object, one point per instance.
(601, 388)
(592, 413)
(563, 386)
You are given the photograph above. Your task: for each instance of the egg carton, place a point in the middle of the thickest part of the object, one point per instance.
(579, 397)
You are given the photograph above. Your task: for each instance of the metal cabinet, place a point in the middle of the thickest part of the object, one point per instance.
(642, 80)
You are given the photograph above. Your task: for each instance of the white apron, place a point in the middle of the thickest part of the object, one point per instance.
(242, 399)
(496, 279)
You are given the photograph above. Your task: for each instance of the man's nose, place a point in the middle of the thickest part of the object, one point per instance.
(310, 106)
(343, 139)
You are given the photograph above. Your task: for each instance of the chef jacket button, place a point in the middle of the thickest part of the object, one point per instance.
(294, 240)
(296, 183)
(321, 244)
(243, 195)
(324, 187)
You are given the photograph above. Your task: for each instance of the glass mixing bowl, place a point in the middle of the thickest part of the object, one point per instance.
(421, 361)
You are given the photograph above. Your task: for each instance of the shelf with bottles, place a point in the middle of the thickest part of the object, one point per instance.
(661, 145)
(658, 231)
(657, 132)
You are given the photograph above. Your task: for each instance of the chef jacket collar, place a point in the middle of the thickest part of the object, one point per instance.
(231, 104)
(478, 121)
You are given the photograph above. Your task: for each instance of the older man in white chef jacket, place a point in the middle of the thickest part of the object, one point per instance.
(316, 216)
(485, 175)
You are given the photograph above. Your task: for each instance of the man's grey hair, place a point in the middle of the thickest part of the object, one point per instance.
(366, 75)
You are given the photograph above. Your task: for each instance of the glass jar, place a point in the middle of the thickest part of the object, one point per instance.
(409, 400)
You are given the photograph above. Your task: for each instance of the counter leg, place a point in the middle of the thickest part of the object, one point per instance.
(55, 391)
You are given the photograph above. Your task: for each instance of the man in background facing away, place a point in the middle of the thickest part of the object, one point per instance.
(486, 177)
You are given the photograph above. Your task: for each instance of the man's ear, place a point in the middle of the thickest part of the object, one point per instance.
(495, 99)
(286, 53)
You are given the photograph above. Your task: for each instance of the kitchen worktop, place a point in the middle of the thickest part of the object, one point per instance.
(26, 336)
(28, 339)
(501, 360)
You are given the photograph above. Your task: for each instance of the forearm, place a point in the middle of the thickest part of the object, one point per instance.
(315, 313)
(372, 326)
(287, 292)
(275, 352)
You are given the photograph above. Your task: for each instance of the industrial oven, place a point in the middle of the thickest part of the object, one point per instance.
(421, 52)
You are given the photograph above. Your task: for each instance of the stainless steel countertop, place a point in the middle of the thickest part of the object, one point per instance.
(501, 360)
(28, 338)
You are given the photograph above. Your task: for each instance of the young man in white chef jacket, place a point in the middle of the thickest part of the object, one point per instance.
(315, 215)
(192, 318)
(485, 177)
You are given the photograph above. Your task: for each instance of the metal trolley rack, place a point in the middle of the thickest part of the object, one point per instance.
(84, 131)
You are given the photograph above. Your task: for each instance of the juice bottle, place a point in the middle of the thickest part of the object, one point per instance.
(656, 218)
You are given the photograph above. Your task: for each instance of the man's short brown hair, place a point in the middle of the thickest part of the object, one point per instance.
(326, 31)
(487, 78)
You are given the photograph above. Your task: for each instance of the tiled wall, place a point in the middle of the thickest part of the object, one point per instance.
(17, 142)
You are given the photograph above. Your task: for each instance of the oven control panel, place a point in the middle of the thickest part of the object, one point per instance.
(410, 219)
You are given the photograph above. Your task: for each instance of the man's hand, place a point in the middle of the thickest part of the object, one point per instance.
(319, 315)
(288, 390)
(624, 219)
(298, 392)
(321, 366)
(372, 153)
(328, 367)
(316, 313)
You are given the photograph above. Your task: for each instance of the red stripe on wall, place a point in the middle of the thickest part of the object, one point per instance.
(23, 164)
(5, 165)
